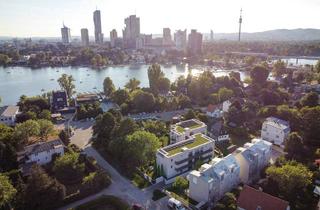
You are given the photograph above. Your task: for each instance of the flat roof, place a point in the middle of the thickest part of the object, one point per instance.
(198, 139)
(188, 124)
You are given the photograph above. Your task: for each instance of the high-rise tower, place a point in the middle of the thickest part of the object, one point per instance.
(65, 34)
(240, 22)
(98, 35)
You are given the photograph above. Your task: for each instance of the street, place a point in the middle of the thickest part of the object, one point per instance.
(121, 186)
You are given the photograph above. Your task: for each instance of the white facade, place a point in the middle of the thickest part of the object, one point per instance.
(41, 153)
(221, 175)
(213, 180)
(226, 105)
(8, 115)
(275, 130)
(181, 157)
(217, 113)
(183, 130)
(252, 158)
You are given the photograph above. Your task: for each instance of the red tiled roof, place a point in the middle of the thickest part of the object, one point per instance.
(251, 198)
(211, 108)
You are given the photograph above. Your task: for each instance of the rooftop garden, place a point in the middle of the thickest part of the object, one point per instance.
(191, 124)
(198, 140)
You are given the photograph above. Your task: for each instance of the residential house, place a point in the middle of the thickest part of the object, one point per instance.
(214, 179)
(252, 158)
(181, 157)
(183, 130)
(218, 132)
(8, 115)
(214, 111)
(275, 130)
(41, 153)
(252, 199)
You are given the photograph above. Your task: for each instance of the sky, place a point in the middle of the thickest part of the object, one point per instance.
(44, 18)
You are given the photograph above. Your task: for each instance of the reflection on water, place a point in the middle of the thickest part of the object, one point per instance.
(16, 81)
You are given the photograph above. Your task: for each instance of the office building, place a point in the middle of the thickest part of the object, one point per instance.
(98, 35)
(113, 37)
(180, 39)
(131, 31)
(85, 37)
(65, 34)
(195, 42)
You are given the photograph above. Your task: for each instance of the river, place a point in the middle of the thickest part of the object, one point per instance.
(17, 81)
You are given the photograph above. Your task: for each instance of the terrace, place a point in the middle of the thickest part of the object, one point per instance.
(197, 140)
(189, 124)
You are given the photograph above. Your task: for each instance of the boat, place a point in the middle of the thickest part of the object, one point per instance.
(51, 79)
(42, 90)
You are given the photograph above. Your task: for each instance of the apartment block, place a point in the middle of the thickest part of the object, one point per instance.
(213, 180)
(181, 157)
(183, 130)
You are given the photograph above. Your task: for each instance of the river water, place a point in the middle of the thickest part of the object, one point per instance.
(16, 81)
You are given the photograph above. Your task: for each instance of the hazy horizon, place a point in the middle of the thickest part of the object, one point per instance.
(44, 18)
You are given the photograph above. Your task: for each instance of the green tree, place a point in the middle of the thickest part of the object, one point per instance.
(121, 96)
(45, 114)
(104, 128)
(108, 87)
(45, 129)
(143, 101)
(42, 191)
(279, 68)
(155, 74)
(259, 74)
(4, 59)
(184, 101)
(317, 66)
(127, 126)
(23, 131)
(224, 94)
(156, 127)
(141, 149)
(7, 191)
(133, 84)
(311, 125)
(68, 168)
(291, 178)
(66, 83)
(163, 85)
(180, 184)
(294, 146)
(311, 99)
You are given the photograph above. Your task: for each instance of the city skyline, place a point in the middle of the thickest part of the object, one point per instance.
(43, 18)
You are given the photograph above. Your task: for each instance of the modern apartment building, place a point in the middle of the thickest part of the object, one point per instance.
(167, 39)
(275, 130)
(214, 179)
(183, 130)
(65, 35)
(181, 157)
(85, 37)
(252, 158)
(98, 35)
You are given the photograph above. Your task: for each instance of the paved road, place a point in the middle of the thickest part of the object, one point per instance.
(121, 186)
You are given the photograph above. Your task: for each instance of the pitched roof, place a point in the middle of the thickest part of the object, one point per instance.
(251, 198)
(42, 146)
(8, 111)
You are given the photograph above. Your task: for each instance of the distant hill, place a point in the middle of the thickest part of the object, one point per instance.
(273, 35)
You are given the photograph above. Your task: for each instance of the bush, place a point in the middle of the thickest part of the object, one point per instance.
(95, 181)
(105, 200)
(158, 194)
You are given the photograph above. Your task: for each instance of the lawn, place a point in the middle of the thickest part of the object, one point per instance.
(198, 141)
(180, 129)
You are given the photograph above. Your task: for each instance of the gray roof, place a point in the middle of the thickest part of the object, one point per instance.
(42, 146)
(8, 111)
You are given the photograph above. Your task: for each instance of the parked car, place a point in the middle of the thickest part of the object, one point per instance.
(175, 204)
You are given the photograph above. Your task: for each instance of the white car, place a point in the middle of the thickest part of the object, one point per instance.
(175, 204)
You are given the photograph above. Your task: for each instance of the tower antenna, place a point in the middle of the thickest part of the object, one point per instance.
(240, 23)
